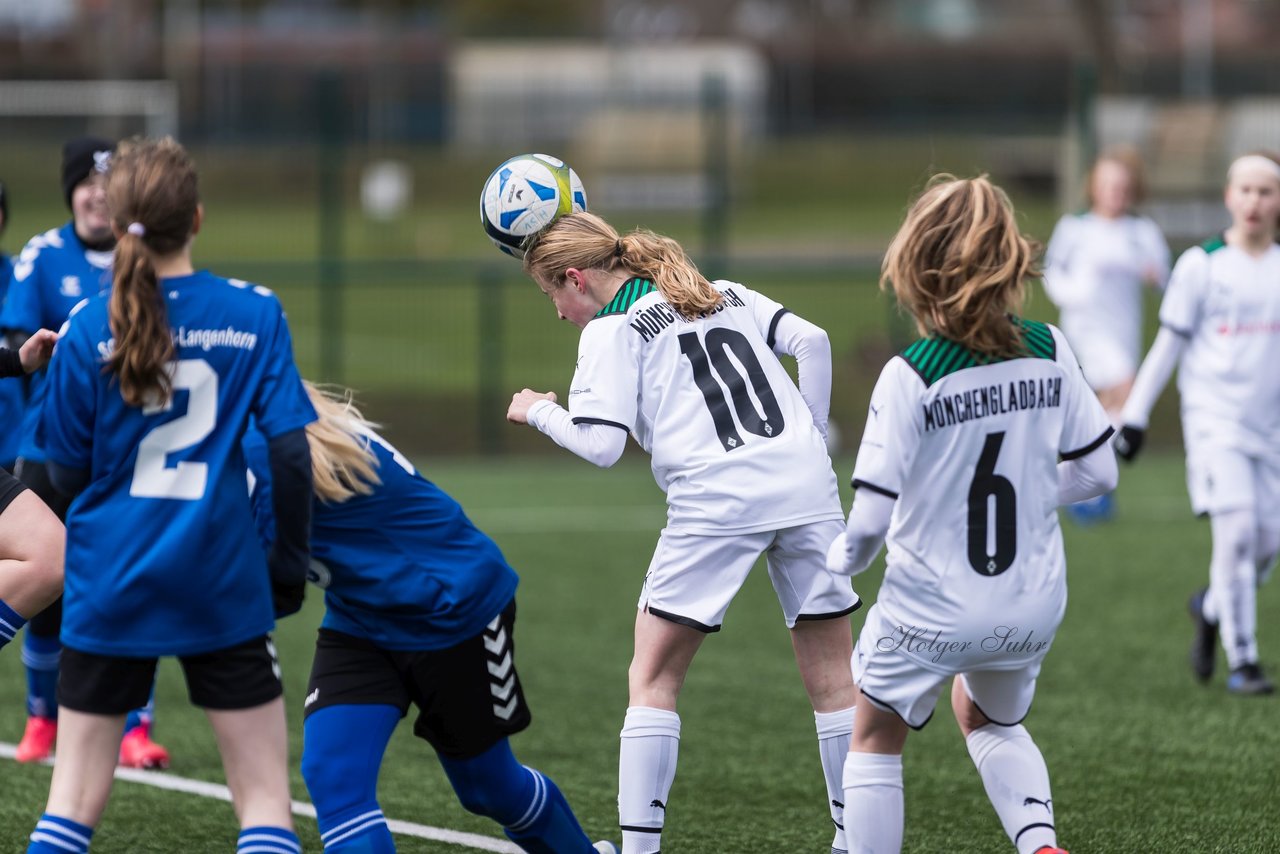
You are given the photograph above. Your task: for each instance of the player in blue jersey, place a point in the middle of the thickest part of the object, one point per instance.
(12, 395)
(149, 396)
(31, 537)
(420, 609)
(54, 272)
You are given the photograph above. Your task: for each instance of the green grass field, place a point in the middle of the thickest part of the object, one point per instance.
(1142, 758)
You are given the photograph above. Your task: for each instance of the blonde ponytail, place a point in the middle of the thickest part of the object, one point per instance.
(342, 463)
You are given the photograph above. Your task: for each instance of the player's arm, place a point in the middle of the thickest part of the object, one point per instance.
(853, 551)
(1059, 284)
(289, 457)
(809, 344)
(1088, 476)
(601, 444)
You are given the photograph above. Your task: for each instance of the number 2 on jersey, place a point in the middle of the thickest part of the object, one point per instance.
(186, 481)
(993, 513)
(718, 339)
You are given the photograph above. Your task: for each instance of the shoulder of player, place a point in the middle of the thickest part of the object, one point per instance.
(33, 250)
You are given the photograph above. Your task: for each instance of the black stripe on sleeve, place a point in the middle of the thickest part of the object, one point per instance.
(1181, 333)
(1091, 447)
(773, 326)
(581, 420)
(862, 484)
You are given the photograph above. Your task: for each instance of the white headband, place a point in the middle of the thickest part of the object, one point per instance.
(1252, 162)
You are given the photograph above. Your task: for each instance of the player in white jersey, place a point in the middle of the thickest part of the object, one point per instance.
(1096, 267)
(1220, 326)
(689, 367)
(975, 435)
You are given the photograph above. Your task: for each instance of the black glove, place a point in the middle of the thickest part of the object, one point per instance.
(1129, 441)
(287, 598)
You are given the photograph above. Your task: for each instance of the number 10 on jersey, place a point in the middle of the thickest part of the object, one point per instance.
(715, 361)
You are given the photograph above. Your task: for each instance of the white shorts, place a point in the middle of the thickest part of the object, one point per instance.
(693, 577)
(897, 682)
(1222, 479)
(1106, 363)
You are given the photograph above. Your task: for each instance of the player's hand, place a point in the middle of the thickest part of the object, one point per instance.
(1128, 442)
(36, 351)
(518, 411)
(837, 554)
(287, 599)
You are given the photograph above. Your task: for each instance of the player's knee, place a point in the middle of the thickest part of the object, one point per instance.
(493, 785)
(336, 779)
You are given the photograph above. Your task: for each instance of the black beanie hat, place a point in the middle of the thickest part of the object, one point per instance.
(81, 157)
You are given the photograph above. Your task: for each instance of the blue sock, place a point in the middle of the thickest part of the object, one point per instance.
(265, 839)
(342, 749)
(525, 802)
(144, 714)
(10, 622)
(54, 835)
(40, 655)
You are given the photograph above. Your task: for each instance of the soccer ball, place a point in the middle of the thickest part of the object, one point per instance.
(525, 194)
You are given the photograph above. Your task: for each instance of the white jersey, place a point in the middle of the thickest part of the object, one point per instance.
(734, 446)
(1094, 272)
(969, 450)
(1226, 303)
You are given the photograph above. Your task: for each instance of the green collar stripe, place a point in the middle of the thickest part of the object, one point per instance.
(935, 358)
(631, 290)
(1213, 244)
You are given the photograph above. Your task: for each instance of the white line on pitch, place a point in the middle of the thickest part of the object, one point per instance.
(217, 791)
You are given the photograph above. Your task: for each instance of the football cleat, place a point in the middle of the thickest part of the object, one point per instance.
(1249, 679)
(1049, 849)
(37, 739)
(606, 847)
(137, 750)
(1204, 647)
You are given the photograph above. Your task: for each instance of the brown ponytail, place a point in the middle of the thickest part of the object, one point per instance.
(152, 194)
(585, 240)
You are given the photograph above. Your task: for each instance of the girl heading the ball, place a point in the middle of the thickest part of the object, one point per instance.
(690, 368)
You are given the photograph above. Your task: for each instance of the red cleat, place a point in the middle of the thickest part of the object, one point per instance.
(1049, 849)
(37, 739)
(137, 750)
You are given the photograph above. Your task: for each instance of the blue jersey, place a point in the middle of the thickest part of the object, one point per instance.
(12, 396)
(54, 272)
(162, 555)
(403, 566)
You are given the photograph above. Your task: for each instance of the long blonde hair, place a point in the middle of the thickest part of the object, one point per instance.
(586, 241)
(959, 265)
(152, 193)
(343, 464)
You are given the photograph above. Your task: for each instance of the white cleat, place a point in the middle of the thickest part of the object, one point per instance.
(606, 847)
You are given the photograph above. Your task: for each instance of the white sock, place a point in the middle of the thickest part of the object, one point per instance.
(834, 731)
(1233, 585)
(873, 803)
(1017, 782)
(646, 769)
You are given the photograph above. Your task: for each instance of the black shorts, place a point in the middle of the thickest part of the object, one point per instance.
(468, 696)
(36, 476)
(238, 677)
(10, 488)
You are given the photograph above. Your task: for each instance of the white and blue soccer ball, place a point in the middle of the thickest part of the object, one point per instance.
(526, 194)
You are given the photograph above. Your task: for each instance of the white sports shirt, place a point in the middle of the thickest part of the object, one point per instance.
(1094, 273)
(1226, 304)
(969, 449)
(734, 445)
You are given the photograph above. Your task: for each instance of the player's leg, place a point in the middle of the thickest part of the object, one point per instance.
(894, 694)
(816, 605)
(239, 689)
(95, 694)
(471, 700)
(355, 697)
(687, 591)
(32, 542)
(40, 645)
(1232, 597)
(989, 707)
